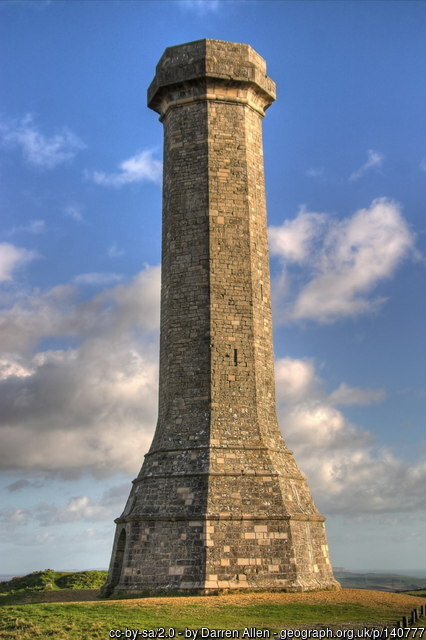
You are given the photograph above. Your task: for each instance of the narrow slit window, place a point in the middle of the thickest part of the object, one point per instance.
(235, 357)
(261, 291)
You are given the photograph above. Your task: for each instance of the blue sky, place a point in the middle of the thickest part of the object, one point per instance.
(80, 196)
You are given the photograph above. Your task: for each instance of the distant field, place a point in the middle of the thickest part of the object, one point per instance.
(379, 581)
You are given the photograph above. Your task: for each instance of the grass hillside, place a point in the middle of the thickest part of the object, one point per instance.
(49, 580)
(92, 620)
(66, 606)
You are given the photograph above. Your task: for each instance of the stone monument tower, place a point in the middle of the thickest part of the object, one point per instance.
(219, 502)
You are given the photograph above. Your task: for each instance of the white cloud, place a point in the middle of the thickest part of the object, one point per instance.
(12, 258)
(114, 251)
(39, 150)
(14, 517)
(92, 407)
(315, 173)
(40, 5)
(61, 408)
(13, 366)
(374, 161)
(295, 239)
(319, 422)
(295, 378)
(59, 312)
(139, 168)
(345, 469)
(200, 6)
(33, 226)
(74, 211)
(97, 279)
(345, 395)
(339, 263)
(78, 509)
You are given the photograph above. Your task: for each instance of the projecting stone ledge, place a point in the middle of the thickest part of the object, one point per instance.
(207, 64)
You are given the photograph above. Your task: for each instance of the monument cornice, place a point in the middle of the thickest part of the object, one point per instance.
(199, 518)
(210, 62)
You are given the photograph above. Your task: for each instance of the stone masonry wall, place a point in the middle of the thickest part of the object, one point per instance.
(219, 502)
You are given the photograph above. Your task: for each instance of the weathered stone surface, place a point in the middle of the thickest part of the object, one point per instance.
(219, 502)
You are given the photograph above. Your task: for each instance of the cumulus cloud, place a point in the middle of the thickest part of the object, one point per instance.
(374, 161)
(139, 168)
(78, 509)
(12, 258)
(90, 406)
(295, 240)
(39, 150)
(13, 365)
(334, 266)
(295, 378)
(346, 470)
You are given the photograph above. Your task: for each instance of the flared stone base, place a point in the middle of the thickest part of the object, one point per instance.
(220, 554)
(123, 594)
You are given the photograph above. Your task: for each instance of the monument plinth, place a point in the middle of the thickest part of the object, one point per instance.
(219, 502)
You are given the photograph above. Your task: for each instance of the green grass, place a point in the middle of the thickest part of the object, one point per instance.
(94, 620)
(32, 607)
(51, 580)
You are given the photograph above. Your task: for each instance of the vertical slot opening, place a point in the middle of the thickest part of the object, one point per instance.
(235, 357)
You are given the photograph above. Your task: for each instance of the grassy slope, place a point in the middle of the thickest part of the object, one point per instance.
(47, 604)
(51, 580)
(80, 621)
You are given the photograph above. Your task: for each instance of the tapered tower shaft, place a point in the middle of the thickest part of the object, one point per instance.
(219, 501)
(216, 348)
